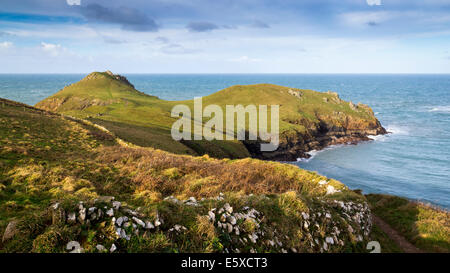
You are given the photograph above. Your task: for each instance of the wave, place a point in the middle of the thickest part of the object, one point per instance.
(441, 109)
(313, 153)
(378, 137)
(397, 130)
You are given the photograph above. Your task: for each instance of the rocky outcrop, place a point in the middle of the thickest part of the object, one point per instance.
(330, 130)
(120, 78)
(72, 103)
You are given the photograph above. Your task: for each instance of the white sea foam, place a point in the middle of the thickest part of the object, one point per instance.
(397, 130)
(378, 137)
(313, 153)
(392, 130)
(441, 109)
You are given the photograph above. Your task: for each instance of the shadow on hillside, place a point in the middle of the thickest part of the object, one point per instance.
(425, 226)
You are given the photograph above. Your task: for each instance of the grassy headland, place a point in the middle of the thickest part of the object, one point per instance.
(308, 119)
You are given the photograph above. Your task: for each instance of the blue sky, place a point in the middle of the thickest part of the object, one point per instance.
(225, 36)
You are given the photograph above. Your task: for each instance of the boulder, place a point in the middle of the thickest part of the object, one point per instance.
(10, 231)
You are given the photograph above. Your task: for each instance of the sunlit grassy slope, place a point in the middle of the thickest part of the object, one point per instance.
(146, 120)
(427, 227)
(47, 158)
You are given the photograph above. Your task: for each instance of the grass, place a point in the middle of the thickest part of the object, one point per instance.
(47, 158)
(146, 120)
(425, 226)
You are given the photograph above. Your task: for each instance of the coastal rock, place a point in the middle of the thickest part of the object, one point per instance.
(10, 231)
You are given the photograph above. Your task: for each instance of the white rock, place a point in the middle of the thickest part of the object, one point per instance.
(350, 229)
(329, 240)
(305, 215)
(232, 220)
(55, 206)
(113, 248)
(327, 215)
(118, 232)
(82, 215)
(110, 212)
(71, 217)
(75, 247)
(229, 227)
(116, 205)
(100, 248)
(212, 216)
(331, 189)
(123, 234)
(228, 208)
(305, 225)
(120, 220)
(236, 231)
(323, 182)
(177, 227)
(139, 221)
(149, 225)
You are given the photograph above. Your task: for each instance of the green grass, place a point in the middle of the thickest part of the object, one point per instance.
(427, 227)
(146, 121)
(46, 158)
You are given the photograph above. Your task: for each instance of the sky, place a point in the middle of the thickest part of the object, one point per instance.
(225, 36)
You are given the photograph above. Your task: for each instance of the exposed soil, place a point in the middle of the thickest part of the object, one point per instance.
(395, 236)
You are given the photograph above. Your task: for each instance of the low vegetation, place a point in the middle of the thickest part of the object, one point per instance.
(427, 227)
(49, 161)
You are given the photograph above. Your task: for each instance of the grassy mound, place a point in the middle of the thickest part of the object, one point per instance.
(51, 163)
(308, 119)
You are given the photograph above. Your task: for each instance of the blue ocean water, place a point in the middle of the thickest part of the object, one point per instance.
(413, 161)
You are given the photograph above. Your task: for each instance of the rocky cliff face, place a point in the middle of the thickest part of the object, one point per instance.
(329, 130)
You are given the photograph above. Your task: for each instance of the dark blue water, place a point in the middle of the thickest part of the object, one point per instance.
(413, 161)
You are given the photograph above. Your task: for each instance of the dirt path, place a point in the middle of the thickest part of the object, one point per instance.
(395, 236)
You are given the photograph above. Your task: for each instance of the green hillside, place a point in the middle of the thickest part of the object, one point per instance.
(309, 119)
(50, 163)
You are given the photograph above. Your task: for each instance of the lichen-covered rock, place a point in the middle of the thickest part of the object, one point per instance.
(10, 231)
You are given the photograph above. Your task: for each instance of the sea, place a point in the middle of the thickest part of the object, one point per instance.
(412, 161)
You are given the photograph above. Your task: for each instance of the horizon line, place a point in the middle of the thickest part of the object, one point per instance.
(228, 73)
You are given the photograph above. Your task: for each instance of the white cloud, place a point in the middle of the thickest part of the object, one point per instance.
(73, 2)
(245, 59)
(373, 2)
(362, 18)
(53, 49)
(6, 45)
